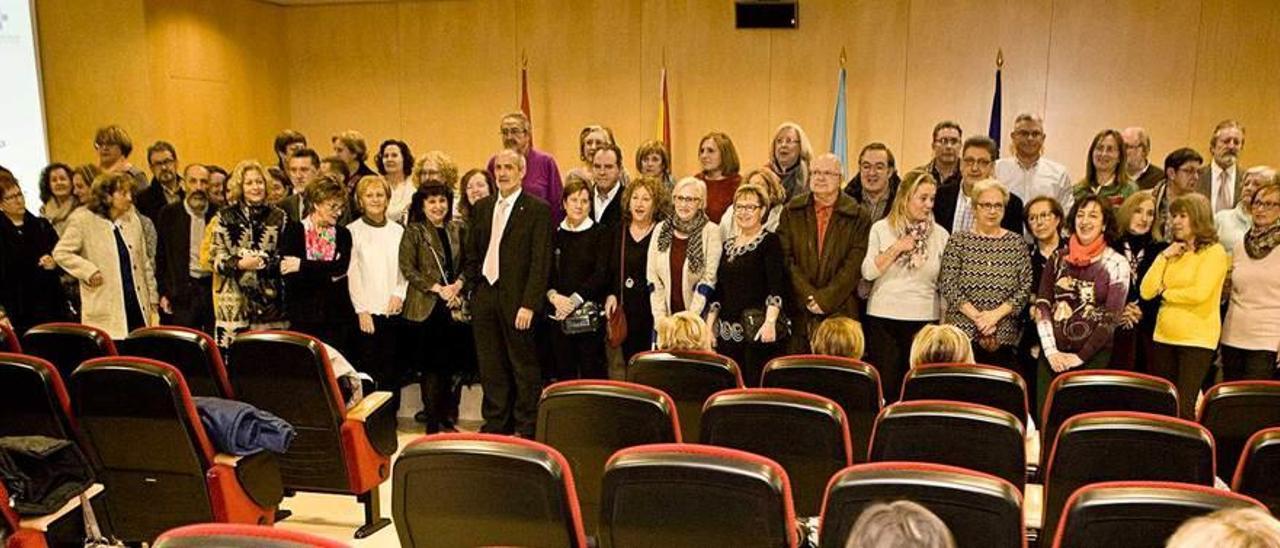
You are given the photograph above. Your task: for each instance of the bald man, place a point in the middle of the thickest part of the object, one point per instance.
(1137, 151)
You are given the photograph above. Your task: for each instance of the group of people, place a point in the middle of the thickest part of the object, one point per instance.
(521, 276)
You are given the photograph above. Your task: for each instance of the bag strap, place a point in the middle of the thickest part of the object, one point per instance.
(622, 264)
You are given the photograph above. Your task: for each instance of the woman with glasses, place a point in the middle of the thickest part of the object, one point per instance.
(986, 278)
(684, 256)
(316, 257)
(790, 159)
(1140, 248)
(1188, 277)
(1044, 219)
(1251, 334)
(1234, 223)
(904, 258)
(746, 308)
(30, 288)
(248, 292)
(768, 180)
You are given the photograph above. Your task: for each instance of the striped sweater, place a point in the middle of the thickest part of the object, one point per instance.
(986, 272)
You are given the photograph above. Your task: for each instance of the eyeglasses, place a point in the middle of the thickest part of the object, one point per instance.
(747, 208)
(1265, 204)
(947, 141)
(687, 199)
(786, 141)
(1024, 134)
(980, 162)
(511, 131)
(332, 207)
(989, 206)
(1042, 217)
(818, 172)
(1189, 170)
(12, 196)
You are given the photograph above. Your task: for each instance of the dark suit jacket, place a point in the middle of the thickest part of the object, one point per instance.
(524, 255)
(831, 276)
(1150, 178)
(944, 209)
(173, 248)
(1206, 182)
(150, 201)
(317, 292)
(612, 212)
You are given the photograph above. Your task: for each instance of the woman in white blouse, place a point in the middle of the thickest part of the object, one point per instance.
(377, 287)
(904, 257)
(395, 163)
(684, 254)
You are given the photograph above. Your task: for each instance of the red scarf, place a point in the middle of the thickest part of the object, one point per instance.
(1079, 254)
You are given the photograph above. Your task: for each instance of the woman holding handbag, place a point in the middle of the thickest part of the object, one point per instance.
(746, 308)
(627, 307)
(577, 284)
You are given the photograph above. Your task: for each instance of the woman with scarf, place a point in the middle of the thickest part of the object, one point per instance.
(790, 159)
(904, 257)
(248, 292)
(1251, 334)
(56, 195)
(746, 312)
(317, 256)
(1136, 219)
(685, 255)
(1082, 293)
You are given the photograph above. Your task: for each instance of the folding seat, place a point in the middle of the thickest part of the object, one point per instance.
(67, 345)
(12, 532)
(193, 352)
(337, 450)
(1258, 473)
(688, 377)
(1122, 446)
(981, 384)
(979, 509)
(157, 463)
(689, 495)
(1234, 411)
(852, 384)
(464, 490)
(9, 340)
(33, 399)
(231, 535)
(588, 421)
(1137, 514)
(954, 433)
(1076, 392)
(805, 433)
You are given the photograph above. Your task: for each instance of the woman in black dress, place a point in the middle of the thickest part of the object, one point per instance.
(746, 307)
(644, 199)
(578, 278)
(1138, 321)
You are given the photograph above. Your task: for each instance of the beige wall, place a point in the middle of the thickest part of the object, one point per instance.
(439, 73)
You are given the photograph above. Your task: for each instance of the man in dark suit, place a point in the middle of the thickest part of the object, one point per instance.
(606, 192)
(507, 264)
(952, 207)
(1222, 178)
(1137, 151)
(186, 296)
(304, 168)
(166, 186)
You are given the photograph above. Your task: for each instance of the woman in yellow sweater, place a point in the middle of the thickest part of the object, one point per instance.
(1188, 278)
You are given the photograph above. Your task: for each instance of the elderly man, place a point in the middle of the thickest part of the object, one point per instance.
(541, 174)
(945, 165)
(507, 264)
(1137, 149)
(1221, 179)
(953, 206)
(824, 238)
(183, 282)
(1029, 174)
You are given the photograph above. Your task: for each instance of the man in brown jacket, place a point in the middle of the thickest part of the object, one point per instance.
(824, 238)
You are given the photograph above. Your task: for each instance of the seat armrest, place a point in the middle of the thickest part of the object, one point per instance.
(227, 460)
(361, 411)
(42, 523)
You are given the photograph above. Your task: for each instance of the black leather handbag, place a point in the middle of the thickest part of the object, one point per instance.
(753, 320)
(584, 319)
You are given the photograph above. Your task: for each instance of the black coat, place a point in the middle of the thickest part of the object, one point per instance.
(173, 229)
(524, 255)
(944, 209)
(29, 294)
(317, 292)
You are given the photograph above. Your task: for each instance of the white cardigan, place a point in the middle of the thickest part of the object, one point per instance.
(695, 289)
(87, 247)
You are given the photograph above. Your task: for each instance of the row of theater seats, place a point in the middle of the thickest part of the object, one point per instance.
(129, 406)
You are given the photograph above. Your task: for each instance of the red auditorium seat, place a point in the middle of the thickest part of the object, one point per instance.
(1234, 411)
(954, 433)
(805, 433)
(688, 495)
(1123, 446)
(852, 384)
(1076, 392)
(232, 535)
(157, 463)
(193, 352)
(1258, 472)
(337, 450)
(981, 384)
(979, 509)
(588, 421)
(466, 490)
(1137, 514)
(11, 530)
(9, 340)
(67, 345)
(688, 377)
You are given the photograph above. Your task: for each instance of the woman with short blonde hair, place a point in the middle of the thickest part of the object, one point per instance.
(899, 524)
(1229, 528)
(683, 331)
(838, 336)
(941, 344)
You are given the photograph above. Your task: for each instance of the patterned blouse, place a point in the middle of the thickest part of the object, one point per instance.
(986, 272)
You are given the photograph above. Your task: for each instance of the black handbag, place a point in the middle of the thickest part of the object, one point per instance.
(42, 473)
(753, 320)
(584, 319)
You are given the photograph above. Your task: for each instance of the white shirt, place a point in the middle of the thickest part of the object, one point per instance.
(1232, 225)
(374, 275)
(502, 207)
(1215, 183)
(194, 268)
(1044, 177)
(398, 205)
(602, 201)
(963, 221)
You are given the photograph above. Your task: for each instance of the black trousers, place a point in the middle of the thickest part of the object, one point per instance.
(577, 356)
(192, 305)
(1185, 367)
(378, 356)
(509, 370)
(441, 347)
(1005, 356)
(1239, 364)
(889, 350)
(751, 356)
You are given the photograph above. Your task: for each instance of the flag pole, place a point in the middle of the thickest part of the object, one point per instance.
(839, 126)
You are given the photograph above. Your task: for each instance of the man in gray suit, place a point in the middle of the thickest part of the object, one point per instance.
(1221, 180)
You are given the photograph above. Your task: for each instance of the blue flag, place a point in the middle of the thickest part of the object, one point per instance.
(839, 130)
(993, 130)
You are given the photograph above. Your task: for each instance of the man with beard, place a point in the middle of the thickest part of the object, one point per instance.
(165, 186)
(184, 284)
(541, 174)
(1220, 181)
